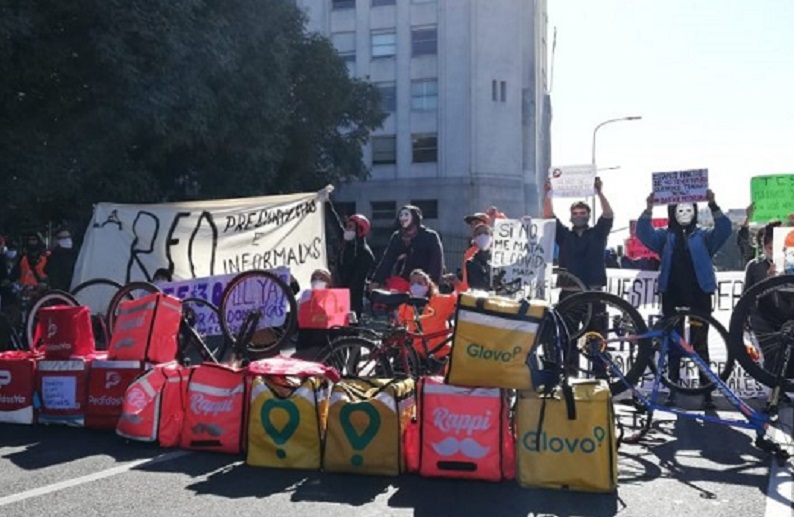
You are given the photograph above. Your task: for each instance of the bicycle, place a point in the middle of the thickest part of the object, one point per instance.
(598, 346)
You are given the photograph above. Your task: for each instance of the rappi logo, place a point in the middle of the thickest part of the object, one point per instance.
(483, 353)
(544, 443)
(112, 379)
(136, 398)
(201, 406)
(449, 422)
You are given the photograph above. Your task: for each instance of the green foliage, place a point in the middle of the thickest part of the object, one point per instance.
(164, 100)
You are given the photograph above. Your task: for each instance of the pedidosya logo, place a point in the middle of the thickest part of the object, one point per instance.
(484, 353)
(546, 443)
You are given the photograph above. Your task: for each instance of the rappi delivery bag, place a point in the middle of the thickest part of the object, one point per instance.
(66, 332)
(17, 386)
(325, 308)
(107, 383)
(146, 329)
(460, 433)
(215, 409)
(62, 387)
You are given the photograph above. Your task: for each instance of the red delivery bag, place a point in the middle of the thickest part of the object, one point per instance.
(107, 384)
(325, 308)
(146, 329)
(215, 409)
(62, 388)
(17, 386)
(66, 332)
(153, 406)
(461, 433)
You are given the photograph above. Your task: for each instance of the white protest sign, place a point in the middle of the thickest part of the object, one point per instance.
(783, 246)
(523, 249)
(639, 289)
(267, 298)
(59, 392)
(200, 239)
(573, 181)
(680, 186)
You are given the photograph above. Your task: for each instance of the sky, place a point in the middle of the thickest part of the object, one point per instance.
(712, 79)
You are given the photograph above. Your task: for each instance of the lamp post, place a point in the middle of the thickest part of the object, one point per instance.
(593, 157)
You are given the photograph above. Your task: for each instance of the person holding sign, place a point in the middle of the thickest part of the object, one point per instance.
(686, 275)
(478, 266)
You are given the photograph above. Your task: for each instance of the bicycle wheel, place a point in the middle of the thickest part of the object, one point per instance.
(131, 291)
(612, 320)
(561, 284)
(48, 299)
(697, 329)
(354, 357)
(96, 294)
(265, 293)
(203, 317)
(762, 329)
(401, 362)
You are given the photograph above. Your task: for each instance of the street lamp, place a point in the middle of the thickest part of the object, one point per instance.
(593, 158)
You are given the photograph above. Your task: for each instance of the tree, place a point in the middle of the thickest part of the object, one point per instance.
(156, 100)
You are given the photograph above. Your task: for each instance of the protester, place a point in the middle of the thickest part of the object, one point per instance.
(413, 246)
(162, 276)
(30, 270)
(8, 264)
(473, 221)
(60, 264)
(478, 267)
(493, 214)
(686, 276)
(747, 248)
(763, 266)
(435, 316)
(311, 341)
(355, 260)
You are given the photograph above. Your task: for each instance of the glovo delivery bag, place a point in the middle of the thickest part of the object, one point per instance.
(566, 438)
(286, 422)
(366, 421)
(492, 341)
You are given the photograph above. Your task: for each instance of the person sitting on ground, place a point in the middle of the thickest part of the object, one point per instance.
(435, 316)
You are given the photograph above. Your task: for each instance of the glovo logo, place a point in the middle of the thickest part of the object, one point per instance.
(483, 353)
(558, 445)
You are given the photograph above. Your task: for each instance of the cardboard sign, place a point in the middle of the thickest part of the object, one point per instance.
(573, 181)
(680, 186)
(525, 250)
(773, 197)
(636, 249)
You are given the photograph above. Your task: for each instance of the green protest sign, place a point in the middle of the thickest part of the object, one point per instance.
(773, 197)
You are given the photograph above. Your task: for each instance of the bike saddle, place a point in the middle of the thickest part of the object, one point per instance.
(387, 299)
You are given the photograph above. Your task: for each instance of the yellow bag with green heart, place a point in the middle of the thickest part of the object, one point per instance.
(366, 421)
(566, 438)
(287, 422)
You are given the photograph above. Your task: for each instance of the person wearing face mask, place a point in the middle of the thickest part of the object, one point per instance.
(436, 314)
(60, 264)
(763, 266)
(413, 246)
(311, 341)
(478, 267)
(686, 274)
(355, 260)
(30, 270)
(474, 221)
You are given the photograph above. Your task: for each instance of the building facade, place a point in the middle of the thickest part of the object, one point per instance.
(465, 85)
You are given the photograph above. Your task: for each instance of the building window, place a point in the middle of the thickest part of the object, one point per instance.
(384, 43)
(429, 207)
(376, 3)
(423, 41)
(425, 148)
(388, 97)
(384, 150)
(345, 208)
(494, 90)
(345, 44)
(424, 95)
(384, 210)
(343, 4)
(503, 91)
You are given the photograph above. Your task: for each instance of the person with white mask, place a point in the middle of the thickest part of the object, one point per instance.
(686, 274)
(478, 267)
(61, 262)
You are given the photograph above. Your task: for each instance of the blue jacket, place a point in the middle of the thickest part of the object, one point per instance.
(703, 245)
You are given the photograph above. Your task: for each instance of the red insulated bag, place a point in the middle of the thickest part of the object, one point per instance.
(215, 409)
(146, 329)
(66, 332)
(17, 386)
(62, 387)
(107, 384)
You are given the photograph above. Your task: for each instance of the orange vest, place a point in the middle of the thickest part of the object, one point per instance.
(437, 312)
(26, 275)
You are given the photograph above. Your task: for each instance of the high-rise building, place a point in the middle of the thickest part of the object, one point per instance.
(465, 85)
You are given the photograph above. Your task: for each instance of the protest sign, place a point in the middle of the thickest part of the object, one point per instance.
(783, 250)
(636, 249)
(680, 186)
(773, 197)
(523, 249)
(573, 181)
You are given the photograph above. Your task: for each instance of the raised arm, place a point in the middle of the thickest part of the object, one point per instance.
(653, 239)
(548, 207)
(606, 208)
(722, 230)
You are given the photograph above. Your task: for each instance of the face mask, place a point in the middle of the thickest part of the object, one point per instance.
(318, 284)
(11, 254)
(684, 214)
(483, 241)
(65, 243)
(579, 221)
(350, 235)
(405, 218)
(418, 290)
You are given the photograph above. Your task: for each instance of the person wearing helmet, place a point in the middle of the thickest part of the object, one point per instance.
(355, 260)
(473, 221)
(412, 246)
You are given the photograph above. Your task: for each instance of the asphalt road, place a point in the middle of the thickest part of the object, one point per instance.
(685, 468)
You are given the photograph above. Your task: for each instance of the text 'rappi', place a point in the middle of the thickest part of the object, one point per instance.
(449, 422)
(203, 406)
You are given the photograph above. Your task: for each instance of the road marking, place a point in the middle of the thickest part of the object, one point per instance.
(781, 485)
(62, 485)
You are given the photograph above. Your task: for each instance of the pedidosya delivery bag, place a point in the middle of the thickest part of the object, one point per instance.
(566, 439)
(493, 340)
(287, 422)
(366, 421)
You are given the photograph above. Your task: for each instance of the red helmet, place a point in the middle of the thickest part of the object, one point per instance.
(362, 224)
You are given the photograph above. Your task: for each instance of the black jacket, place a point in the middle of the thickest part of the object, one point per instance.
(60, 268)
(478, 271)
(425, 252)
(354, 263)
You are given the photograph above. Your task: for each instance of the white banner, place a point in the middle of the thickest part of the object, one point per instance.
(639, 289)
(204, 238)
(573, 181)
(523, 249)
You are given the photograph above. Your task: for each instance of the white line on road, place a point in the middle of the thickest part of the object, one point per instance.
(36, 492)
(781, 486)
